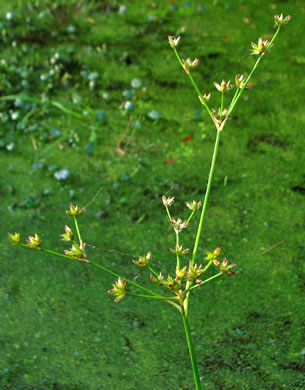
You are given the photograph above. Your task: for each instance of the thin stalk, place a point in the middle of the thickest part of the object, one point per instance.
(77, 229)
(273, 38)
(153, 271)
(108, 271)
(50, 251)
(191, 351)
(164, 299)
(190, 217)
(221, 103)
(168, 214)
(207, 266)
(206, 281)
(177, 244)
(234, 97)
(194, 85)
(149, 296)
(206, 196)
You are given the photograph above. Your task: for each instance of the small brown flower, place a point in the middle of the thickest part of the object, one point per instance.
(14, 238)
(143, 260)
(75, 211)
(178, 225)
(34, 242)
(119, 289)
(189, 65)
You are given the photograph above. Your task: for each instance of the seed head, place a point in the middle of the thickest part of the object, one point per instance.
(194, 271)
(34, 242)
(14, 238)
(224, 86)
(179, 251)
(67, 235)
(180, 273)
(194, 205)
(143, 260)
(178, 225)
(212, 255)
(280, 21)
(173, 41)
(260, 47)
(77, 251)
(189, 65)
(167, 201)
(225, 267)
(75, 211)
(240, 81)
(119, 289)
(204, 98)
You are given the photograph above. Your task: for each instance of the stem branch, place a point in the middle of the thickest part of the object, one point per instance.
(206, 197)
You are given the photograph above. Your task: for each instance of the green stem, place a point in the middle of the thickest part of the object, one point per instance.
(194, 85)
(50, 251)
(77, 229)
(206, 197)
(190, 217)
(234, 97)
(191, 351)
(221, 103)
(168, 214)
(177, 244)
(273, 38)
(207, 266)
(152, 271)
(149, 296)
(108, 271)
(206, 281)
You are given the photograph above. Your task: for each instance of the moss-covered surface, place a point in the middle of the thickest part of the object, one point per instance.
(59, 329)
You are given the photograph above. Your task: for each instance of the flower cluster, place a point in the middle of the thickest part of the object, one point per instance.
(178, 224)
(204, 98)
(194, 205)
(143, 260)
(75, 211)
(118, 290)
(173, 41)
(219, 116)
(34, 242)
(194, 271)
(167, 201)
(260, 47)
(223, 86)
(279, 20)
(14, 238)
(225, 267)
(76, 251)
(67, 235)
(179, 251)
(212, 256)
(189, 65)
(240, 81)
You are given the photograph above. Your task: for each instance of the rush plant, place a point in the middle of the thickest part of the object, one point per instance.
(175, 289)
